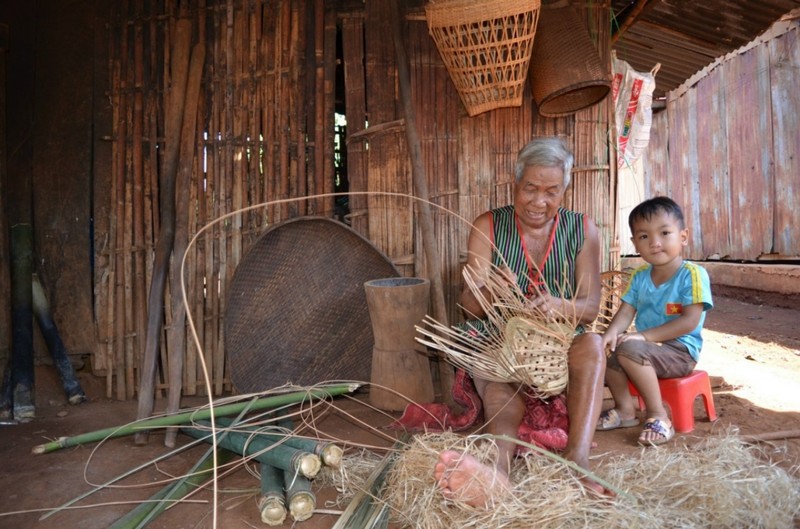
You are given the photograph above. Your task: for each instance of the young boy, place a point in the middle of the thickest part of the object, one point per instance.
(669, 298)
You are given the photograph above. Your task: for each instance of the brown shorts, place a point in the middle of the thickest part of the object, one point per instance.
(670, 359)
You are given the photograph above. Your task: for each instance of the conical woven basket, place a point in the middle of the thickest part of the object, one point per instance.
(566, 71)
(517, 343)
(486, 47)
(538, 357)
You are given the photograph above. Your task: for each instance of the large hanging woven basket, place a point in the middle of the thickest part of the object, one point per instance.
(566, 71)
(486, 47)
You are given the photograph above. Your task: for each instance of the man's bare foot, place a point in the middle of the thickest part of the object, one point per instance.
(462, 477)
(597, 489)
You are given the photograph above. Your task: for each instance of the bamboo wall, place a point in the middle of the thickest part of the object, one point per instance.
(261, 127)
(263, 131)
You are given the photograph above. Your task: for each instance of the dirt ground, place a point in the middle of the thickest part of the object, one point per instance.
(752, 353)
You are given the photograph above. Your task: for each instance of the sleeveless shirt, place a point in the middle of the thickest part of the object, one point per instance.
(557, 271)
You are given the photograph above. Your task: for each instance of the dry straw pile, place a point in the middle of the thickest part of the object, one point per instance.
(718, 483)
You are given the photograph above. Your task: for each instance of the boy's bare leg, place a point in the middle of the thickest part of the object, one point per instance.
(617, 382)
(646, 382)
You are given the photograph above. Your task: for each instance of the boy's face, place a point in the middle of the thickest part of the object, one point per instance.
(659, 239)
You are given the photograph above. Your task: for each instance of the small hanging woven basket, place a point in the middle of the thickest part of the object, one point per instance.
(566, 71)
(486, 47)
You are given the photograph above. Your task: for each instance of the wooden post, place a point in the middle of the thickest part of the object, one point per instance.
(176, 336)
(22, 370)
(5, 281)
(155, 305)
(446, 372)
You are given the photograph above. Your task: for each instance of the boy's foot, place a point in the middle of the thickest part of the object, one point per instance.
(611, 420)
(462, 477)
(656, 432)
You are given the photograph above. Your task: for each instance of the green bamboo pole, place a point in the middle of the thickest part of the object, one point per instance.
(271, 503)
(299, 498)
(204, 413)
(330, 453)
(278, 455)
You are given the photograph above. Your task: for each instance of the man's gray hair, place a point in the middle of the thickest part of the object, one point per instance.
(546, 151)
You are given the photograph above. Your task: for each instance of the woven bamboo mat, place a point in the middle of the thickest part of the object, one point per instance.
(297, 310)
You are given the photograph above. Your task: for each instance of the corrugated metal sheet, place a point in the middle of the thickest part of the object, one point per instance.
(728, 150)
(686, 35)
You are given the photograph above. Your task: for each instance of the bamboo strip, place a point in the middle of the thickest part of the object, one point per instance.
(274, 401)
(355, 104)
(127, 240)
(106, 361)
(139, 288)
(315, 103)
(119, 233)
(174, 492)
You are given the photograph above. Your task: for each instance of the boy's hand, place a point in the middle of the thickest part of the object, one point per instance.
(636, 336)
(610, 340)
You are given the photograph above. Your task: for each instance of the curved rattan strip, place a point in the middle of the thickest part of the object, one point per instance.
(296, 308)
(612, 286)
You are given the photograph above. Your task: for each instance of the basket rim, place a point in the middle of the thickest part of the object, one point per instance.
(445, 13)
(577, 87)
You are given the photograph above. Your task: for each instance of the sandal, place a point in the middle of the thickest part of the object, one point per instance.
(610, 420)
(658, 427)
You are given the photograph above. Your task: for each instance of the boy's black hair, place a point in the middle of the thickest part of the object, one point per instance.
(654, 206)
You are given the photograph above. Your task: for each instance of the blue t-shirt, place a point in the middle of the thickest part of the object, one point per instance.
(657, 305)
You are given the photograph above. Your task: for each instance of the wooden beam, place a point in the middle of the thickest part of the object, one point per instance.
(630, 19)
(446, 372)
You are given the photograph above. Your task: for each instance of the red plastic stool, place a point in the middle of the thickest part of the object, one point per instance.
(680, 394)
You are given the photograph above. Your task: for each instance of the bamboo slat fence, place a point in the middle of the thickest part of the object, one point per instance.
(264, 131)
(260, 135)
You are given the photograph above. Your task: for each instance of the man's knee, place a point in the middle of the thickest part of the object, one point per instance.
(587, 350)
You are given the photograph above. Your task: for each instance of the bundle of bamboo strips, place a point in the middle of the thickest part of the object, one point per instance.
(288, 463)
(286, 470)
(278, 455)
